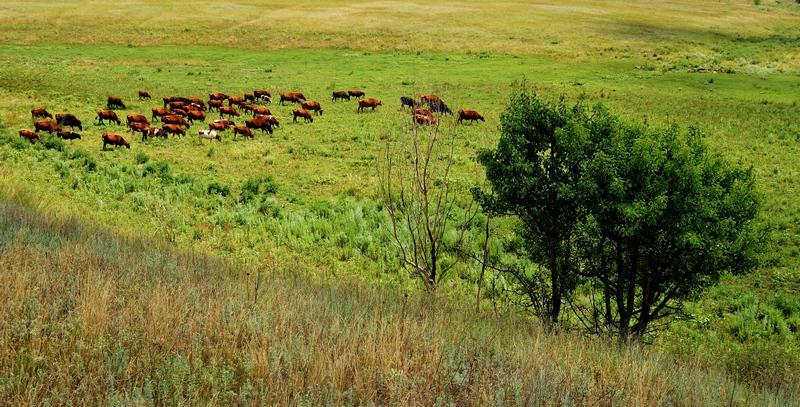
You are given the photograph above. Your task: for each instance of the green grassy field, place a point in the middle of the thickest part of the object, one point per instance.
(317, 212)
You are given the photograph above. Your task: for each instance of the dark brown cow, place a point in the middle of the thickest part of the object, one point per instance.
(243, 130)
(143, 94)
(107, 115)
(217, 96)
(40, 112)
(235, 100)
(294, 97)
(177, 104)
(371, 102)
(249, 97)
(29, 135)
(227, 110)
(407, 101)
(137, 118)
(114, 102)
(339, 95)
(158, 113)
(69, 135)
(138, 126)
(220, 125)
(178, 112)
(305, 114)
(356, 93)
(261, 92)
(430, 98)
(214, 104)
(261, 111)
(421, 110)
(262, 123)
(46, 125)
(470, 115)
(312, 105)
(173, 129)
(248, 106)
(114, 140)
(69, 120)
(273, 121)
(197, 102)
(175, 119)
(197, 115)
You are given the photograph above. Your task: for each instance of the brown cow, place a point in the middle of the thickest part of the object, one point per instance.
(173, 129)
(197, 102)
(69, 135)
(108, 115)
(235, 100)
(176, 104)
(261, 111)
(294, 97)
(249, 97)
(273, 121)
(153, 132)
(29, 135)
(248, 106)
(217, 96)
(158, 113)
(40, 112)
(137, 127)
(175, 119)
(421, 110)
(339, 95)
(305, 114)
(115, 102)
(214, 104)
(143, 94)
(69, 120)
(198, 115)
(227, 110)
(371, 102)
(430, 98)
(220, 125)
(178, 112)
(470, 115)
(114, 140)
(46, 125)
(137, 118)
(312, 105)
(243, 130)
(262, 96)
(262, 123)
(355, 93)
(427, 120)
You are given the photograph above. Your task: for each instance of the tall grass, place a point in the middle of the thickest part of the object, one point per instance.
(90, 317)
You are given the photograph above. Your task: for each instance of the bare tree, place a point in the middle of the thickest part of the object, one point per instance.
(421, 198)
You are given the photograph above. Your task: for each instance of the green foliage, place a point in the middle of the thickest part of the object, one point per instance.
(84, 158)
(218, 188)
(252, 188)
(53, 143)
(141, 158)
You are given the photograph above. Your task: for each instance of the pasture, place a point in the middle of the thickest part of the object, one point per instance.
(304, 201)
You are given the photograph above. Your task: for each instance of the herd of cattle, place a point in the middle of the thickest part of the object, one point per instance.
(179, 113)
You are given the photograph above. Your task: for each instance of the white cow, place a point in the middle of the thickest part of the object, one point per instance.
(209, 135)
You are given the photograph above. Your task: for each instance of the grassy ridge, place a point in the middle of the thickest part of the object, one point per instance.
(91, 317)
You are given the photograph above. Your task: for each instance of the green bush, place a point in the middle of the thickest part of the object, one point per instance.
(217, 188)
(141, 158)
(255, 187)
(84, 158)
(52, 143)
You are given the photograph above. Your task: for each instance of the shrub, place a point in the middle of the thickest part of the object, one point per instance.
(141, 158)
(52, 143)
(85, 159)
(217, 188)
(254, 187)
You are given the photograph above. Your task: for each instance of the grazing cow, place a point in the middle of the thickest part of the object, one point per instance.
(214, 104)
(235, 100)
(440, 107)
(227, 110)
(153, 132)
(422, 110)
(264, 111)
(429, 98)
(470, 115)
(312, 105)
(158, 113)
(175, 119)
(305, 114)
(261, 92)
(339, 95)
(46, 125)
(40, 112)
(137, 118)
(178, 112)
(217, 96)
(220, 125)
(109, 115)
(355, 93)
(248, 106)
(69, 120)
(425, 119)
(273, 121)
(407, 101)
(115, 102)
(143, 94)
(69, 135)
(114, 140)
(173, 129)
(243, 130)
(197, 115)
(209, 135)
(197, 102)
(262, 123)
(29, 135)
(371, 102)
(177, 104)
(138, 127)
(249, 97)
(294, 97)
(265, 99)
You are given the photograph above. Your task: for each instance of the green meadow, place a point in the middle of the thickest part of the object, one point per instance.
(302, 206)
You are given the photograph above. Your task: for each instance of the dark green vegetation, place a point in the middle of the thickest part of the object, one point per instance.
(305, 200)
